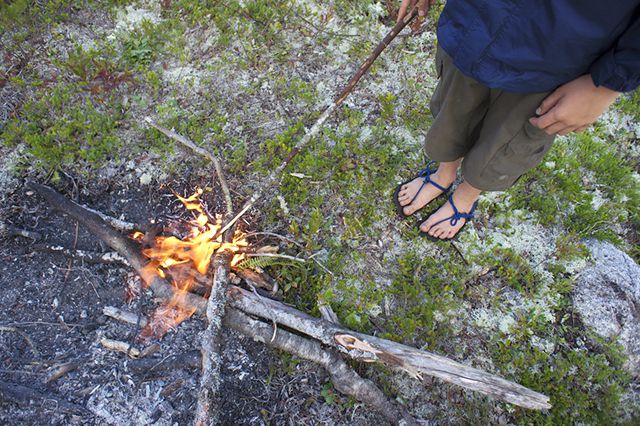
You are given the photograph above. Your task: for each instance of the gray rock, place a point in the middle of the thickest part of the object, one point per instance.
(607, 297)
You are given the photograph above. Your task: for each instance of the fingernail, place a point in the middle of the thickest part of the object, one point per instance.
(539, 111)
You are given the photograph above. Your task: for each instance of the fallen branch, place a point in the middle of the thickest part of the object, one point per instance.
(123, 245)
(119, 224)
(59, 370)
(343, 377)
(119, 346)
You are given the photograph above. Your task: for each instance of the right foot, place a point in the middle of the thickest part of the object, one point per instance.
(426, 195)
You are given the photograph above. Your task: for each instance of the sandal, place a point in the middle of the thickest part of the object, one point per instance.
(453, 220)
(426, 174)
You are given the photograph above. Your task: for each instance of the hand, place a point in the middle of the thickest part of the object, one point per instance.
(423, 7)
(573, 106)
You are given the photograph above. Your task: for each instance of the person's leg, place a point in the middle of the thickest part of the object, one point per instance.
(458, 105)
(507, 147)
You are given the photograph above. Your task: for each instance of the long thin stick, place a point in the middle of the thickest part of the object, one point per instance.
(205, 153)
(271, 180)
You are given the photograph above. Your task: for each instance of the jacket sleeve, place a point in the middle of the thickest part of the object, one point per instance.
(619, 68)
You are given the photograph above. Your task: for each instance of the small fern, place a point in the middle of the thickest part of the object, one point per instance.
(266, 261)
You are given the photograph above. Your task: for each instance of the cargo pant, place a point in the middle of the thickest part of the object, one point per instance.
(488, 127)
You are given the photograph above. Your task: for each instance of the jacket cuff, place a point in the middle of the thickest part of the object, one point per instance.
(605, 72)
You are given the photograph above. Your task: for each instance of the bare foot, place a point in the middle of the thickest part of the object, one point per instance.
(464, 197)
(444, 176)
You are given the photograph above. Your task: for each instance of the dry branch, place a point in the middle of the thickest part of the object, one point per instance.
(123, 245)
(120, 346)
(119, 224)
(59, 370)
(12, 231)
(343, 377)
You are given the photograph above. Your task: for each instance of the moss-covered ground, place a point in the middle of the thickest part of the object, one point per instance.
(244, 78)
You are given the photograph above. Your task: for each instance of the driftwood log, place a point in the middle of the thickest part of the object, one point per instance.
(356, 345)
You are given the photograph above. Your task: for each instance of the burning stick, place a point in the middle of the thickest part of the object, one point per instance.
(272, 179)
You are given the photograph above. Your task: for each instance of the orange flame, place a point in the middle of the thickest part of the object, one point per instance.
(183, 262)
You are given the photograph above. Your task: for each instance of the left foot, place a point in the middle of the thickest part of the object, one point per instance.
(463, 197)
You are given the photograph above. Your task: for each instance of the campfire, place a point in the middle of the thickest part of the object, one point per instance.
(184, 262)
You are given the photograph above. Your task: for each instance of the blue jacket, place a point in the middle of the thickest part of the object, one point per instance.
(537, 45)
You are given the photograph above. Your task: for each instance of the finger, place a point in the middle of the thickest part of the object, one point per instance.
(423, 7)
(403, 8)
(548, 103)
(546, 120)
(555, 128)
(567, 130)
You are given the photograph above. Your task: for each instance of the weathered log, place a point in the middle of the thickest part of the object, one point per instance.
(370, 348)
(343, 377)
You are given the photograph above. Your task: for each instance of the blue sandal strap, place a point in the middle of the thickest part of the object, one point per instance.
(426, 173)
(453, 219)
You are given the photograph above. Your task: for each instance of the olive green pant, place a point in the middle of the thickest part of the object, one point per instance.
(489, 128)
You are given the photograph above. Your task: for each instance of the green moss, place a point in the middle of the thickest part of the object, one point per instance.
(583, 375)
(61, 129)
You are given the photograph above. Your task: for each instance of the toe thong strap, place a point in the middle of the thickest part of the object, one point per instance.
(453, 219)
(426, 173)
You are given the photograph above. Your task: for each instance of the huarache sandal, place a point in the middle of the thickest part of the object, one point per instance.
(453, 220)
(426, 174)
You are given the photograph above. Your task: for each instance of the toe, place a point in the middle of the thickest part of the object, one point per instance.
(408, 210)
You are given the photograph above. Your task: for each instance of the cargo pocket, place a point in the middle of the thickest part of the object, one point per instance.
(435, 104)
(439, 62)
(522, 153)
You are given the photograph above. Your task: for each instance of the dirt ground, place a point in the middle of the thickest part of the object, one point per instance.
(52, 315)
